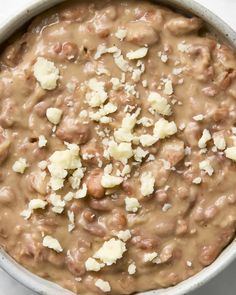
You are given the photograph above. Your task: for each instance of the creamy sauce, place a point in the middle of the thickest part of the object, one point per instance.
(186, 208)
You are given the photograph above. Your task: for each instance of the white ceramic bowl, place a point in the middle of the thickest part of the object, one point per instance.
(43, 287)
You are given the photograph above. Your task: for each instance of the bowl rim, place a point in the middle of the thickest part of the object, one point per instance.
(44, 287)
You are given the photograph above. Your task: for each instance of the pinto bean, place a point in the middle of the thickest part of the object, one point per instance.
(6, 195)
(104, 204)
(4, 149)
(94, 187)
(141, 33)
(166, 253)
(117, 221)
(180, 26)
(7, 116)
(172, 151)
(39, 182)
(192, 133)
(208, 254)
(13, 53)
(165, 228)
(70, 130)
(74, 13)
(225, 56)
(74, 261)
(89, 215)
(145, 243)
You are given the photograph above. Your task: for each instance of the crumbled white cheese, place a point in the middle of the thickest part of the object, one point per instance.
(81, 193)
(34, 204)
(71, 217)
(20, 165)
(168, 87)
(199, 117)
(109, 181)
(111, 251)
(197, 180)
(97, 94)
(219, 141)
(52, 243)
(92, 265)
(137, 54)
(230, 153)
(149, 257)
(124, 133)
(206, 136)
(121, 63)
(146, 122)
(159, 104)
(54, 115)
(183, 47)
(69, 196)
(139, 154)
(147, 183)
(164, 129)
(166, 207)
(121, 34)
(46, 73)
(132, 268)
(103, 285)
(132, 204)
(206, 166)
(121, 152)
(57, 202)
(42, 141)
(124, 235)
(43, 165)
(147, 140)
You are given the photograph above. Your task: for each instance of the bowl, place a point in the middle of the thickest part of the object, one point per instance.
(223, 32)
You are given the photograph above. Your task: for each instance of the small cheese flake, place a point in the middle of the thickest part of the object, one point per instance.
(219, 141)
(121, 152)
(121, 34)
(132, 269)
(46, 73)
(166, 207)
(103, 285)
(168, 87)
(183, 47)
(139, 154)
(206, 166)
(96, 95)
(206, 136)
(124, 235)
(149, 257)
(121, 63)
(164, 128)
(189, 263)
(20, 165)
(147, 140)
(42, 141)
(92, 265)
(81, 193)
(54, 115)
(132, 204)
(137, 54)
(71, 217)
(197, 180)
(109, 181)
(52, 243)
(147, 183)
(111, 251)
(230, 153)
(69, 196)
(159, 104)
(199, 117)
(37, 204)
(57, 202)
(124, 133)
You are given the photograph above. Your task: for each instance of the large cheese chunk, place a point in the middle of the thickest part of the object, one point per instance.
(52, 243)
(159, 104)
(46, 73)
(164, 128)
(147, 183)
(96, 95)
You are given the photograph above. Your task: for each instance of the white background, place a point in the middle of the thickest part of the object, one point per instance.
(225, 283)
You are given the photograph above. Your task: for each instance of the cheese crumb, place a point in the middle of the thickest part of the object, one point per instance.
(230, 153)
(137, 54)
(206, 136)
(168, 88)
(92, 265)
(147, 183)
(52, 243)
(124, 235)
(97, 94)
(183, 47)
(111, 251)
(81, 193)
(166, 207)
(164, 129)
(199, 117)
(103, 285)
(197, 180)
(149, 257)
(132, 269)
(121, 152)
(206, 166)
(219, 141)
(20, 165)
(147, 140)
(109, 181)
(46, 73)
(132, 204)
(54, 115)
(159, 104)
(42, 141)
(121, 34)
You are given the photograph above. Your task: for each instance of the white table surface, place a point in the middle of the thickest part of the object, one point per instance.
(223, 284)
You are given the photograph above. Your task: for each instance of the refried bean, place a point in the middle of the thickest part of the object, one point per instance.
(117, 146)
